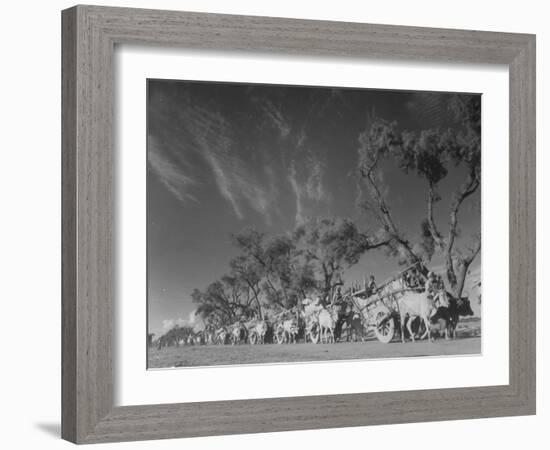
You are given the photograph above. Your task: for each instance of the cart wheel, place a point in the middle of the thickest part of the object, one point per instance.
(386, 329)
(280, 335)
(314, 334)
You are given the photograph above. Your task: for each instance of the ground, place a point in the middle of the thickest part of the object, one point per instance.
(467, 342)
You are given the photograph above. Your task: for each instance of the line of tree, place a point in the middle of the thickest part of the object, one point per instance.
(279, 271)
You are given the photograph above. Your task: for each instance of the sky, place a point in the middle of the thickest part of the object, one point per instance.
(226, 156)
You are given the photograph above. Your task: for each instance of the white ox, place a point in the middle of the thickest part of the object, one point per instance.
(239, 333)
(312, 308)
(327, 323)
(221, 335)
(415, 305)
(290, 330)
(258, 329)
(316, 315)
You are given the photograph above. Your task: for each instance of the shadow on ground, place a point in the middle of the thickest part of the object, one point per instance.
(53, 429)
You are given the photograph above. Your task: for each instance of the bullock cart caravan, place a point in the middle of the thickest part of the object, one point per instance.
(361, 313)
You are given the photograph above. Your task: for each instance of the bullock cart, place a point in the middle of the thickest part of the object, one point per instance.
(378, 314)
(379, 311)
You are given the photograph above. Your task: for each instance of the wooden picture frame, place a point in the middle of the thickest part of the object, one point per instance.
(90, 34)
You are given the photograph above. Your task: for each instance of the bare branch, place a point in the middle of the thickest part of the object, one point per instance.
(464, 264)
(462, 194)
(436, 235)
(384, 243)
(387, 220)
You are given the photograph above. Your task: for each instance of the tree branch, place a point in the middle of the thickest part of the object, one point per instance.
(462, 194)
(372, 246)
(464, 265)
(436, 235)
(389, 224)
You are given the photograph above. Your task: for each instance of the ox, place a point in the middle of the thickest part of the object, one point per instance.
(312, 308)
(209, 334)
(290, 330)
(327, 323)
(459, 307)
(354, 327)
(257, 329)
(238, 333)
(449, 316)
(200, 338)
(415, 305)
(261, 329)
(221, 336)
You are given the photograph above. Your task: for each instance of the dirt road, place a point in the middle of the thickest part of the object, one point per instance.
(187, 356)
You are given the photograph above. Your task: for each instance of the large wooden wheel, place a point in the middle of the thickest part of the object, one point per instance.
(385, 327)
(314, 333)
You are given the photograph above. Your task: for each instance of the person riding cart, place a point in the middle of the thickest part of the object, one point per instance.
(412, 279)
(371, 287)
(435, 290)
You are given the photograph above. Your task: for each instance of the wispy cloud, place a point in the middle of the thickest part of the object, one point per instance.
(248, 181)
(298, 192)
(237, 182)
(314, 184)
(308, 189)
(169, 173)
(275, 117)
(223, 181)
(301, 138)
(429, 107)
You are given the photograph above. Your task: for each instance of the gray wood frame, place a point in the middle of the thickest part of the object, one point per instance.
(89, 36)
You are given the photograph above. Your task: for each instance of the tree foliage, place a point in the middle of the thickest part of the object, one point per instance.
(329, 245)
(428, 154)
(273, 272)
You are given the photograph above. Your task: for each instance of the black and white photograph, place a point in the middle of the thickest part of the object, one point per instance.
(293, 224)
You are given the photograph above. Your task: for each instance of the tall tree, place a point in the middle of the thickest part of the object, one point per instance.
(427, 153)
(250, 273)
(275, 261)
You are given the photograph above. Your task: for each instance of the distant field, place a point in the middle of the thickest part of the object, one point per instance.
(467, 342)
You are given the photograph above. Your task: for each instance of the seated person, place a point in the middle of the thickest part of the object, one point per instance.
(371, 286)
